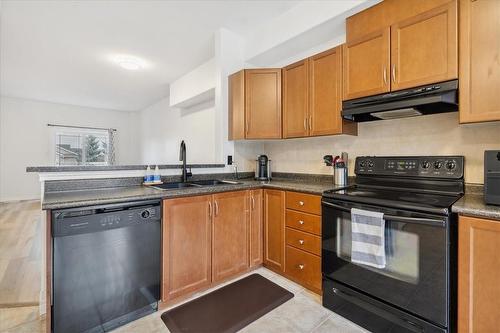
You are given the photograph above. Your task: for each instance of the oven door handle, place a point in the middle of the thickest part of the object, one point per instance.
(374, 309)
(405, 219)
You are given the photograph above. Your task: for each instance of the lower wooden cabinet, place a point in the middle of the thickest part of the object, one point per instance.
(478, 274)
(207, 239)
(229, 234)
(292, 236)
(187, 246)
(274, 230)
(256, 243)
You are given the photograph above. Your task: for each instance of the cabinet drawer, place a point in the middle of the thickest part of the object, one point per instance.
(303, 222)
(303, 267)
(308, 203)
(303, 241)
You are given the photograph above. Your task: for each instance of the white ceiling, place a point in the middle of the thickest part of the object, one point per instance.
(58, 51)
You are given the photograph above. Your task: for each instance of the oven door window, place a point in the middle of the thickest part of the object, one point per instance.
(414, 277)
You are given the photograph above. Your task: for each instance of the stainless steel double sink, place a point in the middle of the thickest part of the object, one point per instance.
(197, 183)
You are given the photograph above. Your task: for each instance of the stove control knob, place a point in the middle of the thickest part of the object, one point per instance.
(362, 164)
(425, 164)
(450, 165)
(370, 164)
(438, 165)
(145, 214)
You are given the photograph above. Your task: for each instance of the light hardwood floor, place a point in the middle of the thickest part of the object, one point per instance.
(20, 261)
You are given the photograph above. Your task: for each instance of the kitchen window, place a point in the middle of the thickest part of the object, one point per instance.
(83, 146)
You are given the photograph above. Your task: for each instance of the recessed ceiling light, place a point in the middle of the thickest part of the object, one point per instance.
(130, 63)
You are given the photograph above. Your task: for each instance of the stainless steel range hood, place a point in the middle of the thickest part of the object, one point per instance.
(435, 98)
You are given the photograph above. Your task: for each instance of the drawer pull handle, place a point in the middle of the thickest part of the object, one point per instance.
(301, 222)
(301, 203)
(301, 266)
(301, 241)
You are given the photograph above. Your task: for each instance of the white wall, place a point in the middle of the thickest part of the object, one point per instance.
(25, 139)
(426, 135)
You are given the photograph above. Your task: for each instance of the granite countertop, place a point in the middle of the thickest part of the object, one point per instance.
(472, 204)
(88, 197)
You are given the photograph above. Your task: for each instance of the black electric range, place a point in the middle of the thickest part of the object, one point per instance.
(415, 291)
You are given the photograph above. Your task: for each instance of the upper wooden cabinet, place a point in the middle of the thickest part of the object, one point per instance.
(478, 271)
(312, 97)
(424, 48)
(255, 104)
(479, 60)
(229, 234)
(366, 65)
(296, 99)
(400, 44)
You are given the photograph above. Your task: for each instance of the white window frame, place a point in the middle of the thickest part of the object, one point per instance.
(82, 133)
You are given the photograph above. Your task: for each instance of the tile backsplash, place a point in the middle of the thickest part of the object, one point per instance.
(438, 134)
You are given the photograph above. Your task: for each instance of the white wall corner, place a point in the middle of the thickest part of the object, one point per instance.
(229, 58)
(310, 25)
(195, 87)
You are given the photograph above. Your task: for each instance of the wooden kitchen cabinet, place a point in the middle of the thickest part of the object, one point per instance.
(236, 106)
(296, 99)
(424, 48)
(207, 239)
(255, 104)
(400, 44)
(274, 229)
(256, 242)
(187, 246)
(367, 64)
(312, 97)
(479, 82)
(229, 234)
(478, 272)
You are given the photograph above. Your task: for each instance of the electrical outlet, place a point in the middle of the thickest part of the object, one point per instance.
(229, 159)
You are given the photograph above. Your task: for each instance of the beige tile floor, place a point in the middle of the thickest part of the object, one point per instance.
(19, 287)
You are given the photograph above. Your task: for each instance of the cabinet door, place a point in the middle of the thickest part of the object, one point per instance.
(229, 234)
(186, 246)
(478, 272)
(274, 229)
(325, 93)
(236, 112)
(479, 61)
(263, 103)
(424, 48)
(366, 65)
(295, 99)
(256, 228)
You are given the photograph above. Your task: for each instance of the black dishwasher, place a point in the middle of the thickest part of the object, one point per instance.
(106, 265)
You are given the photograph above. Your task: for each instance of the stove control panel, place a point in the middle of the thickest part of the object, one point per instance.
(411, 166)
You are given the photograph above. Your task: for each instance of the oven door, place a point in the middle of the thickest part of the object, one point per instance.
(415, 277)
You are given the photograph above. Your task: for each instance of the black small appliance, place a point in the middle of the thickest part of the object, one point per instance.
(263, 168)
(492, 177)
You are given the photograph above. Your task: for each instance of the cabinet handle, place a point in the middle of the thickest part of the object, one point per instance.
(216, 208)
(209, 209)
(305, 124)
(394, 73)
(301, 241)
(301, 222)
(301, 266)
(301, 203)
(385, 75)
(310, 123)
(253, 202)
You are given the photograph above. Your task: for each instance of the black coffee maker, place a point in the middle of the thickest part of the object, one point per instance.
(262, 168)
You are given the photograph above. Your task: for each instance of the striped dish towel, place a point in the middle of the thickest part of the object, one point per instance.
(368, 238)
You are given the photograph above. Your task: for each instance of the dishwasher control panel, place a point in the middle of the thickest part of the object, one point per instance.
(101, 218)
